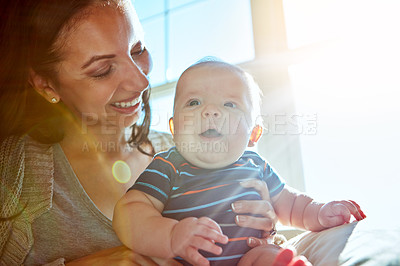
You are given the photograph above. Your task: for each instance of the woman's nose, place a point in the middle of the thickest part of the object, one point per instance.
(136, 79)
(211, 111)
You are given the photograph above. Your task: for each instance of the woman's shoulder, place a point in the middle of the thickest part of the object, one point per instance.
(14, 149)
(15, 144)
(12, 155)
(26, 168)
(26, 163)
(161, 141)
(11, 145)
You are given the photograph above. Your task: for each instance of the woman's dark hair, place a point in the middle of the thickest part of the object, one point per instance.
(29, 31)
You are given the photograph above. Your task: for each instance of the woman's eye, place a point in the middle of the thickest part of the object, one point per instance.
(193, 102)
(229, 104)
(138, 50)
(104, 73)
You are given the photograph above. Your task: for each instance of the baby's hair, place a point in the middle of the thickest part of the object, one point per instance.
(255, 91)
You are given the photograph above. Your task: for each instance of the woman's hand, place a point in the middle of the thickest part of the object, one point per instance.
(261, 207)
(120, 256)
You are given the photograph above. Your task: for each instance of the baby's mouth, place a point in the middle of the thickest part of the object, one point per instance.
(211, 133)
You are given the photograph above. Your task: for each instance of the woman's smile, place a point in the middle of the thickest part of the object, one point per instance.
(128, 106)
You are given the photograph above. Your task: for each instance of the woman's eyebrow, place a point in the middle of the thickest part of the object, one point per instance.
(96, 58)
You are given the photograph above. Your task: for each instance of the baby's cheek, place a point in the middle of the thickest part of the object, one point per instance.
(240, 124)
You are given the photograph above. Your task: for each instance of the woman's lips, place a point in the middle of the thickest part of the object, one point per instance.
(127, 110)
(127, 103)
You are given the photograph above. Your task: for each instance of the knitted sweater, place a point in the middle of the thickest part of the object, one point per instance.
(27, 168)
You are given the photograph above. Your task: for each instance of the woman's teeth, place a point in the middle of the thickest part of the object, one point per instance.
(127, 104)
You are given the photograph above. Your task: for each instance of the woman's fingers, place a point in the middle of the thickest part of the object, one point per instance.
(255, 207)
(255, 242)
(258, 185)
(262, 208)
(259, 223)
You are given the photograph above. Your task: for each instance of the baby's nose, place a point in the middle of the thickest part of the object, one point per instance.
(211, 111)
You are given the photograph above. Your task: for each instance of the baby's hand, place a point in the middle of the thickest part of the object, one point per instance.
(336, 213)
(192, 234)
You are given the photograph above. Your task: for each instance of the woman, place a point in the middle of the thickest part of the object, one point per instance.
(73, 81)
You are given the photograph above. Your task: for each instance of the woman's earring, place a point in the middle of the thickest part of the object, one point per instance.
(54, 100)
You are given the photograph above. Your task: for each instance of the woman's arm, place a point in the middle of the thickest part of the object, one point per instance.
(116, 256)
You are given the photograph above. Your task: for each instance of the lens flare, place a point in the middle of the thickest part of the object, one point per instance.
(121, 171)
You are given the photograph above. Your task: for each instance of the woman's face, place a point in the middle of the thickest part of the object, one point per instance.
(103, 72)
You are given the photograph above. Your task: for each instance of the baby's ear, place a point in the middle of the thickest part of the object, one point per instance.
(42, 86)
(255, 135)
(171, 125)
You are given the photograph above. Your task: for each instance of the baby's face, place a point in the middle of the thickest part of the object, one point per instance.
(212, 116)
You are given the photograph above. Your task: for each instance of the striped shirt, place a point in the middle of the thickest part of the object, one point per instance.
(189, 191)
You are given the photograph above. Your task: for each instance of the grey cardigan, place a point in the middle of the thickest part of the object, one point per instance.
(27, 169)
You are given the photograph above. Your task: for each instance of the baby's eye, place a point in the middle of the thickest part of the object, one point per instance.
(230, 104)
(193, 102)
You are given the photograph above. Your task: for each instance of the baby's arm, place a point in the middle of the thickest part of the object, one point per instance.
(300, 210)
(140, 226)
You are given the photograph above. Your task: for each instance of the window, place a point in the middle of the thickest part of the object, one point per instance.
(350, 79)
(180, 32)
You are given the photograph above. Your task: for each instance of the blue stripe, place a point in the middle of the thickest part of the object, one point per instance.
(276, 188)
(225, 257)
(211, 204)
(157, 172)
(246, 168)
(185, 173)
(218, 258)
(153, 187)
(270, 173)
(169, 153)
(240, 168)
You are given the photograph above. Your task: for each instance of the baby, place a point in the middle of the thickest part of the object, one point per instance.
(180, 206)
